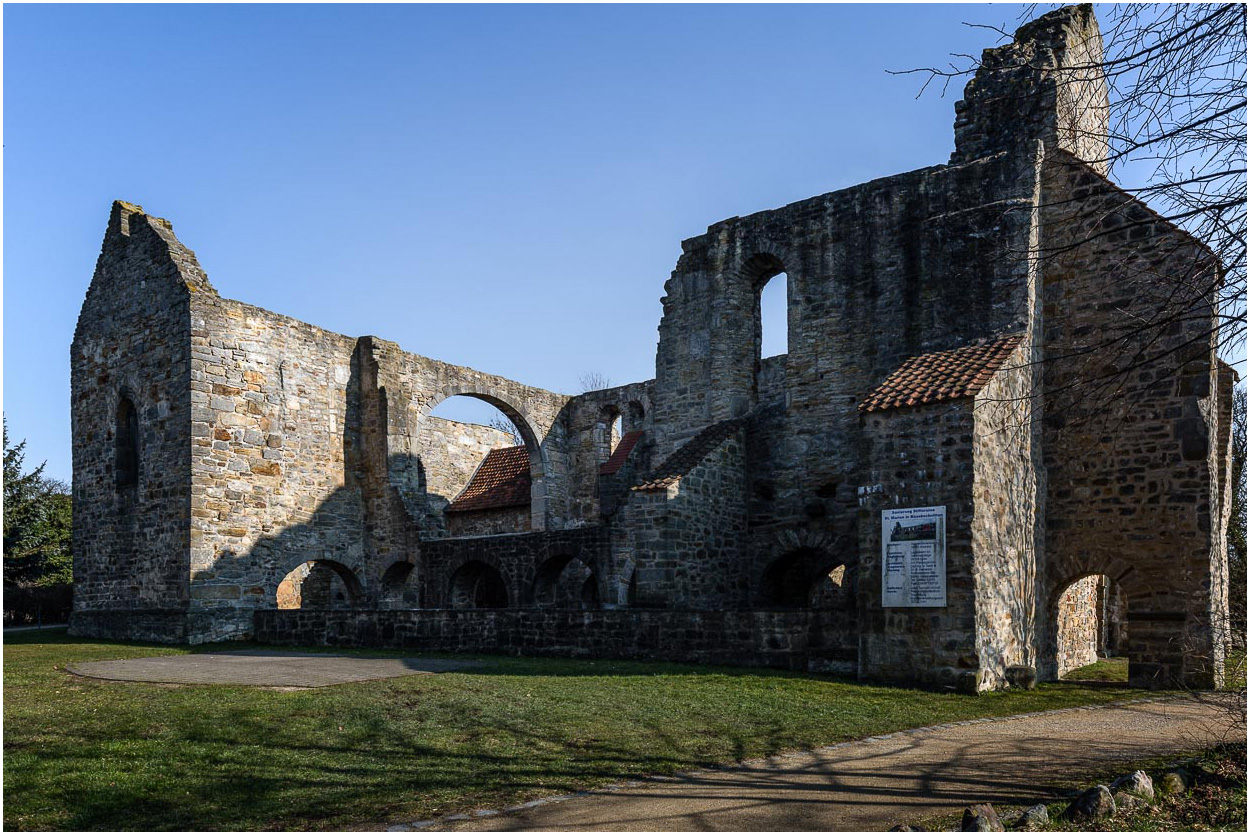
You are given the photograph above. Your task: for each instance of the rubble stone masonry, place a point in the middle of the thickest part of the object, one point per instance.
(1008, 336)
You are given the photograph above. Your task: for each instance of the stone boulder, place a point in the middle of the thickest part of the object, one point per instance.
(1024, 677)
(1093, 804)
(1034, 817)
(1138, 783)
(1172, 781)
(981, 818)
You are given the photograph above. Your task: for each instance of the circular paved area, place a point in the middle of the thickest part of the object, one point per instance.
(263, 668)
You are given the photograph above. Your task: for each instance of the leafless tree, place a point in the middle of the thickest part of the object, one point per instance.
(502, 423)
(593, 381)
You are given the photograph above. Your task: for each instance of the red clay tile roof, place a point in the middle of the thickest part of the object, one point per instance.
(502, 480)
(617, 459)
(943, 375)
(689, 455)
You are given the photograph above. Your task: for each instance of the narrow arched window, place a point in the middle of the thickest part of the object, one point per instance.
(127, 440)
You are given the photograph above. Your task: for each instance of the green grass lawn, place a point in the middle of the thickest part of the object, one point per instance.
(1104, 669)
(88, 754)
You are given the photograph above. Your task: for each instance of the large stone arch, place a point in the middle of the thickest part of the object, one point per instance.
(566, 581)
(1156, 618)
(477, 584)
(525, 423)
(294, 586)
(791, 580)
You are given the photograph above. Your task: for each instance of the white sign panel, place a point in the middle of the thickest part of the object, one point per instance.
(913, 557)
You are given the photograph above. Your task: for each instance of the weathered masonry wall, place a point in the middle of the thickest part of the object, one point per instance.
(1007, 537)
(518, 560)
(1126, 439)
(921, 457)
(684, 537)
(1080, 623)
(1009, 337)
(790, 640)
(132, 345)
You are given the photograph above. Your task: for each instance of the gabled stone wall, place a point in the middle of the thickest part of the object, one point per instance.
(132, 341)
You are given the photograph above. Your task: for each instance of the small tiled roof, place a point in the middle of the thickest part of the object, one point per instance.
(502, 480)
(942, 375)
(617, 459)
(691, 453)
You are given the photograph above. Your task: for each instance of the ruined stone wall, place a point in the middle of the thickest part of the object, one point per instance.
(1080, 624)
(764, 639)
(1008, 489)
(684, 540)
(131, 540)
(588, 420)
(502, 520)
(271, 486)
(921, 457)
(1047, 85)
(1128, 363)
(924, 261)
(517, 558)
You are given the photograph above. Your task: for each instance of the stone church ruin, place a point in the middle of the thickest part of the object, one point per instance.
(974, 455)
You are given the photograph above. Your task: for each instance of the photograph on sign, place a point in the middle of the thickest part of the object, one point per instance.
(913, 557)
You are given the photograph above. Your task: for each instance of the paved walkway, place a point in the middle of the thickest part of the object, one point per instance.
(877, 783)
(263, 668)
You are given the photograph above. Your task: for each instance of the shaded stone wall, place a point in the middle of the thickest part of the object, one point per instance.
(921, 457)
(517, 558)
(684, 540)
(489, 522)
(132, 341)
(1128, 360)
(763, 639)
(588, 420)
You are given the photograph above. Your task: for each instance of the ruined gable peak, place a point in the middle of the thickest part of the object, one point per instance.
(1048, 83)
(142, 245)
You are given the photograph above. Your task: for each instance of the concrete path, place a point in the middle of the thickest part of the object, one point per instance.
(877, 783)
(263, 668)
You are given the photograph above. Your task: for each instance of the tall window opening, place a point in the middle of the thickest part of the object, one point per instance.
(774, 317)
(127, 440)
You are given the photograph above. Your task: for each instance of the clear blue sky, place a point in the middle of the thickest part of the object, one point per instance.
(503, 187)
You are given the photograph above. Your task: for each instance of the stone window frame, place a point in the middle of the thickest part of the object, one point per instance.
(127, 458)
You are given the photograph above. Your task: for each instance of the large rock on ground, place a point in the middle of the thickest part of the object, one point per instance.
(1138, 783)
(1093, 804)
(1173, 781)
(1034, 817)
(981, 818)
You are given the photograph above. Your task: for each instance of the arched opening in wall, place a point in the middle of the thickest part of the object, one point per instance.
(636, 417)
(830, 590)
(804, 579)
(395, 591)
(126, 438)
(607, 434)
(774, 317)
(481, 464)
(767, 279)
(1091, 630)
(565, 582)
(476, 585)
(320, 584)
